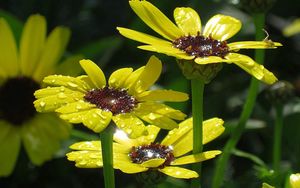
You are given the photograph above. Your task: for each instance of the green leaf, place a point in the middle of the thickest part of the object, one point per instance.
(15, 24)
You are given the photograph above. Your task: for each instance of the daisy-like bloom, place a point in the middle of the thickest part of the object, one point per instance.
(22, 68)
(295, 180)
(126, 100)
(187, 41)
(145, 153)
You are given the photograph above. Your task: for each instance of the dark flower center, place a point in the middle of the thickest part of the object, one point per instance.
(16, 99)
(201, 46)
(144, 153)
(113, 100)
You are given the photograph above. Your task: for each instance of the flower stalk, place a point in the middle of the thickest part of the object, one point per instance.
(197, 111)
(107, 155)
(277, 137)
(259, 21)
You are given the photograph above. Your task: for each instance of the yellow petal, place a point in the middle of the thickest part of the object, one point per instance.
(168, 50)
(45, 92)
(54, 48)
(129, 168)
(94, 72)
(178, 172)
(67, 81)
(10, 146)
(96, 119)
(252, 45)
(253, 68)
(32, 43)
(162, 109)
(221, 27)
(188, 20)
(53, 102)
(75, 107)
(208, 60)
(87, 145)
(153, 163)
(148, 77)
(163, 95)
(295, 180)
(156, 119)
(42, 136)
(195, 158)
(118, 77)
(155, 19)
(132, 125)
(8, 57)
(86, 159)
(142, 37)
(182, 138)
(132, 78)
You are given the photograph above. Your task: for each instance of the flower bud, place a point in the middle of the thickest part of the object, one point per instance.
(280, 92)
(191, 70)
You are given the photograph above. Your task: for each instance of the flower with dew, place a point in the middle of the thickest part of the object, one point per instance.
(146, 153)
(126, 100)
(187, 41)
(23, 66)
(295, 180)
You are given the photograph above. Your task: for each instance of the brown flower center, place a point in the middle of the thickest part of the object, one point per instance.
(144, 153)
(201, 46)
(16, 99)
(113, 100)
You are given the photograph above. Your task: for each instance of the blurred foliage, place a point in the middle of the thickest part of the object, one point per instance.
(94, 36)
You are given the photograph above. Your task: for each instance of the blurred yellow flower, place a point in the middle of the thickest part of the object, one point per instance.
(125, 99)
(187, 41)
(292, 29)
(22, 68)
(295, 180)
(145, 153)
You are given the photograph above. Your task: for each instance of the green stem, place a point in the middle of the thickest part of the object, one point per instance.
(197, 111)
(107, 156)
(277, 137)
(82, 135)
(259, 21)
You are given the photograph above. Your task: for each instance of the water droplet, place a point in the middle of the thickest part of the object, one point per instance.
(78, 107)
(71, 84)
(62, 89)
(152, 116)
(61, 96)
(42, 104)
(83, 162)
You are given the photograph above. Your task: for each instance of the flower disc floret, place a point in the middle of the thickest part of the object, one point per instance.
(140, 154)
(117, 101)
(201, 46)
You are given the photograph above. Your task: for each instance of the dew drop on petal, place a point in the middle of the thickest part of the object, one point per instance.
(71, 84)
(42, 104)
(62, 96)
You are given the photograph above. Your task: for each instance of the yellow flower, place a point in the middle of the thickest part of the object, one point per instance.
(22, 68)
(187, 40)
(295, 180)
(144, 153)
(125, 99)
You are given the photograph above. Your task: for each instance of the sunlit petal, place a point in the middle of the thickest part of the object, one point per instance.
(252, 45)
(178, 172)
(222, 27)
(155, 19)
(188, 20)
(94, 72)
(195, 158)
